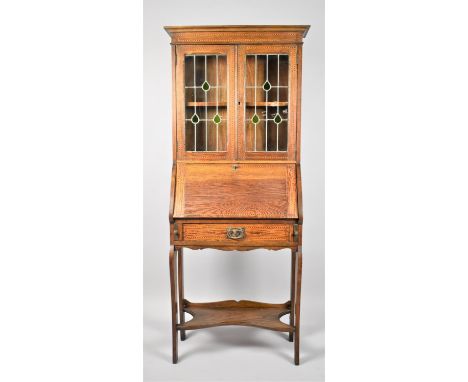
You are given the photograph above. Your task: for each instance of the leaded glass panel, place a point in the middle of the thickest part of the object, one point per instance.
(206, 110)
(266, 102)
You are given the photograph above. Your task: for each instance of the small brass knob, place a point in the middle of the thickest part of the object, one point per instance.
(235, 167)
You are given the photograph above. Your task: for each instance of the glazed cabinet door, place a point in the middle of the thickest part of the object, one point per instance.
(267, 90)
(205, 92)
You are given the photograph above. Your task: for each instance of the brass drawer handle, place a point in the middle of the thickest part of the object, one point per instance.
(235, 233)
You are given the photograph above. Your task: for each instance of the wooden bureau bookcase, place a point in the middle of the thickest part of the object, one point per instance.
(236, 177)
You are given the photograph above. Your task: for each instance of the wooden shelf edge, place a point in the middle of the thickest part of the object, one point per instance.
(239, 313)
(208, 104)
(247, 104)
(261, 103)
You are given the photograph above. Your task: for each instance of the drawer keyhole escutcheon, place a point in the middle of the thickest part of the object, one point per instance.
(235, 233)
(235, 167)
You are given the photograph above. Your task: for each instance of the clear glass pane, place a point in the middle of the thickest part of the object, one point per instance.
(283, 136)
(222, 135)
(273, 70)
(189, 136)
(211, 141)
(201, 136)
(271, 137)
(284, 70)
(249, 135)
(261, 69)
(199, 70)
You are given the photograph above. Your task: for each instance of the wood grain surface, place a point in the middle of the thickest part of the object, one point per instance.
(248, 191)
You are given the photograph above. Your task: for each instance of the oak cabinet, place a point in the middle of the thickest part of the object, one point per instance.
(236, 180)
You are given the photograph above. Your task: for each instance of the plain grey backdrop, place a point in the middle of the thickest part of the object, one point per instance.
(231, 353)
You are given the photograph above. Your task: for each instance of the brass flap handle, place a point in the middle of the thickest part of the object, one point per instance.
(235, 233)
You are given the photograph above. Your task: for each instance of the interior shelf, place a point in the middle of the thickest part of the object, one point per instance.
(231, 312)
(262, 103)
(248, 104)
(209, 103)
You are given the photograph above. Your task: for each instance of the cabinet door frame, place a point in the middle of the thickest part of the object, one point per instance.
(243, 51)
(229, 51)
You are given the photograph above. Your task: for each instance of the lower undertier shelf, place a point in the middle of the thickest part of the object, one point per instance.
(231, 312)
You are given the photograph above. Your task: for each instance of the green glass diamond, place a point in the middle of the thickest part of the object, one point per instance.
(266, 86)
(277, 119)
(195, 119)
(255, 119)
(205, 86)
(217, 119)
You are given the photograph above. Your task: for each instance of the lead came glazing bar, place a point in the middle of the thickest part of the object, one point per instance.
(206, 111)
(277, 106)
(217, 125)
(195, 99)
(266, 107)
(255, 103)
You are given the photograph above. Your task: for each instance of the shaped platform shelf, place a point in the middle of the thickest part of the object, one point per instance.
(231, 312)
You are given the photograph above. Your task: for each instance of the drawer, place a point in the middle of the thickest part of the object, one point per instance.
(237, 234)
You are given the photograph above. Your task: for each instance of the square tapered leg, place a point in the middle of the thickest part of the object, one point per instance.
(293, 292)
(297, 305)
(180, 279)
(172, 273)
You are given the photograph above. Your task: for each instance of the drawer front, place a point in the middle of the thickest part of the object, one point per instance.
(238, 234)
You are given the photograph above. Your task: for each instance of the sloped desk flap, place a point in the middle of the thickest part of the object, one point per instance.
(242, 190)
